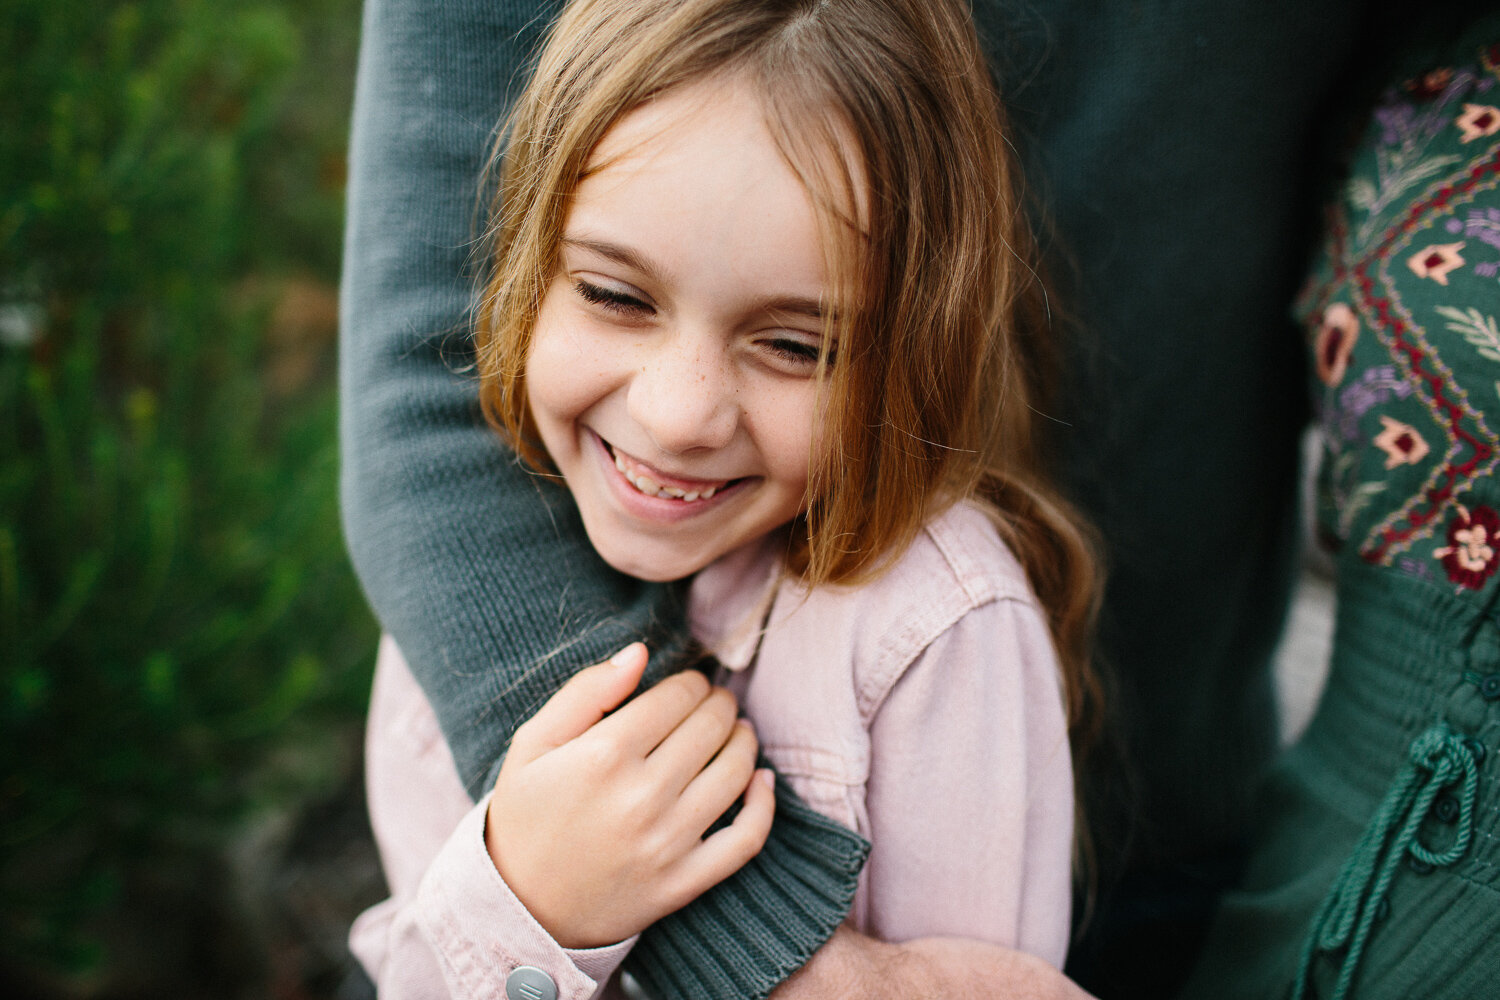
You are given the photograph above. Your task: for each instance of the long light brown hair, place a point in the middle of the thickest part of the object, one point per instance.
(886, 111)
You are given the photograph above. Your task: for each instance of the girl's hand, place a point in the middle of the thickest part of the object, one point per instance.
(597, 824)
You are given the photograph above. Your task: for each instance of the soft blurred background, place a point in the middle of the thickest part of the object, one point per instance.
(184, 653)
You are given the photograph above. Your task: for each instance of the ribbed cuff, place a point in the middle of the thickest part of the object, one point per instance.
(749, 933)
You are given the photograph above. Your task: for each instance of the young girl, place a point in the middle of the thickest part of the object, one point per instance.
(761, 295)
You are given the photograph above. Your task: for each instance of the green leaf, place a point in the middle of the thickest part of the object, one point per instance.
(1478, 329)
(1355, 503)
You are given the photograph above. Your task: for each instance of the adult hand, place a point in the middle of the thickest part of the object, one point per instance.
(851, 964)
(597, 823)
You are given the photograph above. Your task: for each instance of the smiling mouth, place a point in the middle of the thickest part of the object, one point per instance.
(651, 483)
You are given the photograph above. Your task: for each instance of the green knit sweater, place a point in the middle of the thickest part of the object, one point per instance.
(1164, 142)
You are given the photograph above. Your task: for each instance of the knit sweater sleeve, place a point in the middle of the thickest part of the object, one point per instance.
(480, 571)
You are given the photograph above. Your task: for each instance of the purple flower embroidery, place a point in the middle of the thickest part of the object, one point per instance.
(1483, 224)
(1375, 386)
(1412, 567)
(1395, 122)
(1401, 124)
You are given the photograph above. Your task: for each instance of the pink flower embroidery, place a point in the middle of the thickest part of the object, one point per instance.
(1401, 443)
(1469, 556)
(1436, 261)
(1335, 341)
(1478, 121)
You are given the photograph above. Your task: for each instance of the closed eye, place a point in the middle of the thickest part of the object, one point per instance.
(795, 351)
(611, 298)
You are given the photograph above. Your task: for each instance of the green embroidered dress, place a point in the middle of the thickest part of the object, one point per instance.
(1376, 871)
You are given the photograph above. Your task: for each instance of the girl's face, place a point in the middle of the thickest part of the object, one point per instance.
(672, 369)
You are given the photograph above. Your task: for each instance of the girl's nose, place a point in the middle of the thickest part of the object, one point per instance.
(684, 395)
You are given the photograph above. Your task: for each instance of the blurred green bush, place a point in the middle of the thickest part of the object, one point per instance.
(180, 635)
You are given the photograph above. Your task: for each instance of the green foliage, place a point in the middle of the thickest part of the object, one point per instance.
(177, 617)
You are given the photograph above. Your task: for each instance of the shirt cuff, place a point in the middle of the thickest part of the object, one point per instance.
(482, 932)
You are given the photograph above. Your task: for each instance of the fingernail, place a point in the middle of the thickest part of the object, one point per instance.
(626, 655)
(766, 777)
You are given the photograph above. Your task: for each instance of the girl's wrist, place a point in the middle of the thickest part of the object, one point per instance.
(557, 929)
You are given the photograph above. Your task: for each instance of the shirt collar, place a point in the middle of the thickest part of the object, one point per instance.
(731, 597)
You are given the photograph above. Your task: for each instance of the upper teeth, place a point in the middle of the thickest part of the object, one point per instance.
(652, 488)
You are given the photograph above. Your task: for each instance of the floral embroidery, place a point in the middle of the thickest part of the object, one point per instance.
(1400, 442)
(1469, 556)
(1436, 261)
(1412, 567)
(1479, 223)
(1412, 250)
(1482, 224)
(1374, 387)
(1335, 342)
(1405, 128)
(1478, 121)
(1430, 84)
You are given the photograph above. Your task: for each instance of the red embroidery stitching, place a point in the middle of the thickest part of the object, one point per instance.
(1451, 472)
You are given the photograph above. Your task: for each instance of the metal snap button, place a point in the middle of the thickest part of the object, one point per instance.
(527, 982)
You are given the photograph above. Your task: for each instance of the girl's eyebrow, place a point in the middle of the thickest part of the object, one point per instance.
(796, 306)
(613, 251)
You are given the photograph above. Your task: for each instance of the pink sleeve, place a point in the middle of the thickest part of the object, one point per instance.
(452, 927)
(970, 794)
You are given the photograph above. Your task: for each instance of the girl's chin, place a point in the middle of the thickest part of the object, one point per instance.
(638, 555)
(660, 569)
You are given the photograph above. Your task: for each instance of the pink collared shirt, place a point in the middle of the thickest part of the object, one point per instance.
(922, 710)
